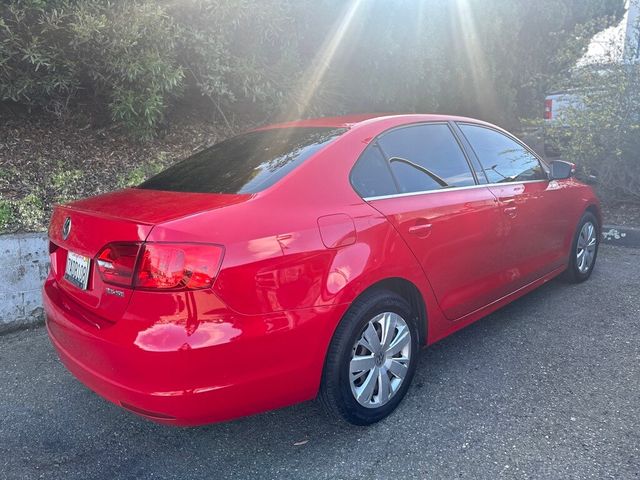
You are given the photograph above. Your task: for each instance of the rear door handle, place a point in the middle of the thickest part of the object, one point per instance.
(511, 211)
(421, 230)
(509, 204)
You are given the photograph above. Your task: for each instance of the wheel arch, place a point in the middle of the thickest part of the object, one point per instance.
(410, 292)
(595, 210)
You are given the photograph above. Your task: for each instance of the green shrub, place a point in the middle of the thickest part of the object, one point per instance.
(603, 135)
(492, 58)
(143, 171)
(36, 67)
(29, 212)
(67, 184)
(6, 215)
(128, 51)
(122, 52)
(239, 51)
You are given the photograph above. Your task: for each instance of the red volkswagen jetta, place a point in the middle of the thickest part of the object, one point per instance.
(307, 259)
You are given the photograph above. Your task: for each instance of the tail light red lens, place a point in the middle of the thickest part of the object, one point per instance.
(160, 266)
(116, 263)
(177, 266)
(548, 109)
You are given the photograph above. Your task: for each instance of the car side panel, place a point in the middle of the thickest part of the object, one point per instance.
(537, 218)
(461, 249)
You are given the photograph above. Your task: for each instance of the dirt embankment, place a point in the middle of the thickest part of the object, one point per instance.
(45, 161)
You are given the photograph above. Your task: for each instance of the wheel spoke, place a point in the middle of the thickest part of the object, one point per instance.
(365, 391)
(370, 339)
(388, 324)
(402, 340)
(398, 367)
(384, 386)
(583, 237)
(362, 363)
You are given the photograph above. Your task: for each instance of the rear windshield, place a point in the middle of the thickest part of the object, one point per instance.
(247, 163)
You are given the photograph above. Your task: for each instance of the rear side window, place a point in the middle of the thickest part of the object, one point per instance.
(247, 163)
(371, 176)
(426, 157)
(503, 159)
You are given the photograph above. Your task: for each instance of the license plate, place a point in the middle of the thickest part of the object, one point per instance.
(77, 270)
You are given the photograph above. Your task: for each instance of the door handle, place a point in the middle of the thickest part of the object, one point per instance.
(421, 230)
(511, 211)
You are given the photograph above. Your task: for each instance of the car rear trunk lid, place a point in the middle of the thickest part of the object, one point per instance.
(85, 227)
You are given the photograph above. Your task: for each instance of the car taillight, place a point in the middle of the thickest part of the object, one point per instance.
(162, 266)
(116, 263)
(177, 266)
(548, 109)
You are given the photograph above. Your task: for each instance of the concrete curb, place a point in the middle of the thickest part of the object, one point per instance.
(621, 236)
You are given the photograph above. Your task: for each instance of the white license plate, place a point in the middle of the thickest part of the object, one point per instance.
(77, 270)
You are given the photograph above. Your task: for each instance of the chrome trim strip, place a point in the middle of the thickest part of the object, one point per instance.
(411, 194)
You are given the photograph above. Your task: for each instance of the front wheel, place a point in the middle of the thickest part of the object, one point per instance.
(584, 249)
(371, 359)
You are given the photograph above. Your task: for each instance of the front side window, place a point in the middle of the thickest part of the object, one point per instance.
(247, 163)
(426, 157)
(502, 158)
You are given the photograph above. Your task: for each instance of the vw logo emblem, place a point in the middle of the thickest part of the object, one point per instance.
(66, 228)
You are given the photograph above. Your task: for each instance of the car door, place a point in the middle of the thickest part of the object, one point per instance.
(536, 218)
(450, 222)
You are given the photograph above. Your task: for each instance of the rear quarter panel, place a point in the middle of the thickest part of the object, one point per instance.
(275, 258)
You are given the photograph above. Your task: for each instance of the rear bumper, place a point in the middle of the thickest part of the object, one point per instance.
(186, 368)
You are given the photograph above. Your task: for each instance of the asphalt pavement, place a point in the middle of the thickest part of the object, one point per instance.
(547, 387)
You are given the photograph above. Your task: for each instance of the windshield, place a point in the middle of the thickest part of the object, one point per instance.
(247, 163)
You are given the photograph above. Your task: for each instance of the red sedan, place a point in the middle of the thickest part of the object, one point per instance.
(307, 259)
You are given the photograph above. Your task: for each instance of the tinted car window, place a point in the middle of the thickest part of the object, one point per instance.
(371, 176)
(426, 157)
(503, 159)
(244, 164)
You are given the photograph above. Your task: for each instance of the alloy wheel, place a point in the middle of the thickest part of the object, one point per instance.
(586, 247)
(380, 360)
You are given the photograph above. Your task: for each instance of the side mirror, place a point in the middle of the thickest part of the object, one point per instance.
(561, 170)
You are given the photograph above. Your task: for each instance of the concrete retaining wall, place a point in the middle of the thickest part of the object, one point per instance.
(24, 264)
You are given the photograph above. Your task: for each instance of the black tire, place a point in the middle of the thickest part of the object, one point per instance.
(573, 274)
(335, 390)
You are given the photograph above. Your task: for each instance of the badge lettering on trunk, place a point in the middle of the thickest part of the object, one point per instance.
(113, 291)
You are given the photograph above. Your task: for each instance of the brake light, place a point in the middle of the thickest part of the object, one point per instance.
(548, 109)
(177, 266)
(161, 266)
(116, 263)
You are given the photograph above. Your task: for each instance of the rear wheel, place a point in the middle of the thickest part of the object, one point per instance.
(371, 359)
(584, 249)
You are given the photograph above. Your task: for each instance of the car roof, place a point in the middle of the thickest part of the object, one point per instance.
(349, 121)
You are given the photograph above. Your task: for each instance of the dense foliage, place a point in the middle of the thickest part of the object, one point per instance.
(137, 59)
(601, 132)
(142, 65)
